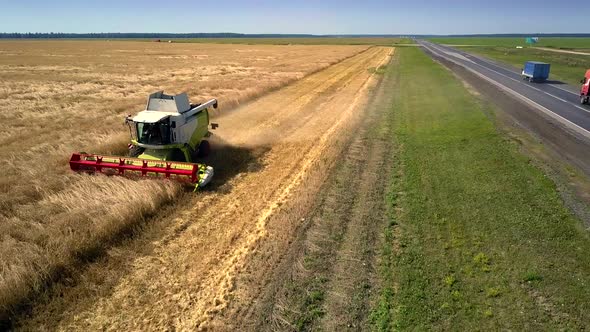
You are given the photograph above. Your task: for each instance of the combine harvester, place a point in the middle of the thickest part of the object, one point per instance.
(166, 139)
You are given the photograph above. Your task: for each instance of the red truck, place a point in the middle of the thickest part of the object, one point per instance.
(585, 90)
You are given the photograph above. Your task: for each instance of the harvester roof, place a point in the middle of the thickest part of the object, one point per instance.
(161, 105)
(151, 116)
(159, 101)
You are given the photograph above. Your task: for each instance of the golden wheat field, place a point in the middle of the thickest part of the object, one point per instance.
(58, 97)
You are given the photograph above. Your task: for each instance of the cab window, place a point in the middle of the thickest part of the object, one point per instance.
(153, 133)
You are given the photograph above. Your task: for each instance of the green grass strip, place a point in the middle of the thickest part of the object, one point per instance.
(479, 237)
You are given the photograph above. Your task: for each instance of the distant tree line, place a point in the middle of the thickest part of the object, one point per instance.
(114, 35)
(158, 35)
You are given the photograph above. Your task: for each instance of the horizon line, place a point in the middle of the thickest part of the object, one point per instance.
(299, 35)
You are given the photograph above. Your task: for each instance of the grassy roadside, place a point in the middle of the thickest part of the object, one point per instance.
(479, 238)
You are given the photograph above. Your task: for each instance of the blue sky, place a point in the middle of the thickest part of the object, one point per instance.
(305, 16)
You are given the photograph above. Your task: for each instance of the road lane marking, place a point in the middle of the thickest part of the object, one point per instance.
(562, 89)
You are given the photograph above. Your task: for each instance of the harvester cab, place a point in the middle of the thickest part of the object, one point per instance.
(170, 128)
(585, 89)
(166, 138)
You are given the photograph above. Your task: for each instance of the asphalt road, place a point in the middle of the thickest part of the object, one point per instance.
(555, 99)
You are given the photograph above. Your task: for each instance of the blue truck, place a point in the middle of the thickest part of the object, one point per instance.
(534, 71)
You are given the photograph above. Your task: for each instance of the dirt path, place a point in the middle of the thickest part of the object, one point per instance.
(267, 151)
(561, 51)
(325, 277)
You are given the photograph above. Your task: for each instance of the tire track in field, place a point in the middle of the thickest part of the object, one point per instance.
(322, 156)
(331, 251)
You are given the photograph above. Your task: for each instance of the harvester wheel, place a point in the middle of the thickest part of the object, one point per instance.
(204, 149)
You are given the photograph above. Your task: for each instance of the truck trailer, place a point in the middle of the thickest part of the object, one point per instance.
(535, 71)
